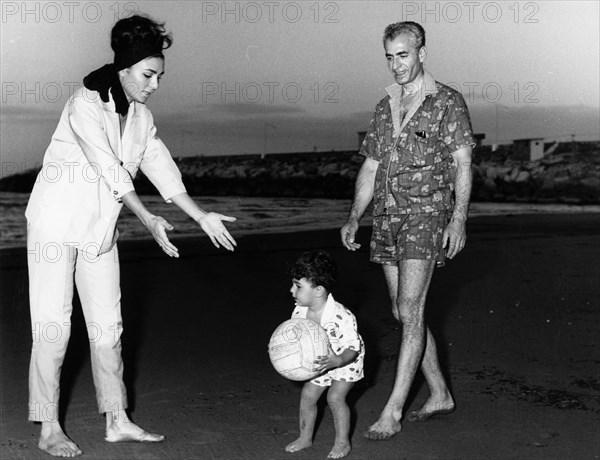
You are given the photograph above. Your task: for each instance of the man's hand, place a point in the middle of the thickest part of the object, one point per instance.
(455, 234)
(348, 233)
(455, 237)
(363, 194)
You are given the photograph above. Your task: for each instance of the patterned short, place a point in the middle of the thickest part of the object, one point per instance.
(352, 372)
(408, 236)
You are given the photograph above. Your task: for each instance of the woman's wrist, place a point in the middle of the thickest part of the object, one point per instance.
(200, 215)
(146, 218)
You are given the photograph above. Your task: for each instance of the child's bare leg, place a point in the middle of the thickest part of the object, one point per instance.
(120, 429)
(308, 414)
(336, 397)
(54, 441)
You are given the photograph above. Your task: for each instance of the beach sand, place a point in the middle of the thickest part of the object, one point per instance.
(516, 316)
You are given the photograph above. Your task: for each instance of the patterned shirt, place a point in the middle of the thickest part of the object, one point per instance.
(342, 331)
(416, 171)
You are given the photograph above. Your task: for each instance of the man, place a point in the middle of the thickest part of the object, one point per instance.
(418, 172)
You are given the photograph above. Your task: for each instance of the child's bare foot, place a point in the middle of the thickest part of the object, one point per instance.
(340, 450)
(54, 441)
(298, 445)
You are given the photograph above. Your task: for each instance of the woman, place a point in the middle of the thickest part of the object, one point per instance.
(105, 134)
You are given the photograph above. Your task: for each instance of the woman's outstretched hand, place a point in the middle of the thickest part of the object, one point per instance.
(158, 227)
(212, 224)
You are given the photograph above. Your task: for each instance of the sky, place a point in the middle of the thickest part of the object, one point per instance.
(289, 76)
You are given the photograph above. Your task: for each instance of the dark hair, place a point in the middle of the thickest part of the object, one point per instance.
(136, 38)
(407, 27)
(318, 267)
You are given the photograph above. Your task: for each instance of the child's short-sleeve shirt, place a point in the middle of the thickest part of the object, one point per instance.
(342, 330)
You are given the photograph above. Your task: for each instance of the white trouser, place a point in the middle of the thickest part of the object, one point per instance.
(53, 266)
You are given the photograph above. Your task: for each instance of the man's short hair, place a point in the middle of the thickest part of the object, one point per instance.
(407, 27)
(318, 267)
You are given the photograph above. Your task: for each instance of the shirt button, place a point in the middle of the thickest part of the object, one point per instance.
(115, 193)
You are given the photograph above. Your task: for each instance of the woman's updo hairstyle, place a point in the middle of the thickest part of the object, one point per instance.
(136, 38)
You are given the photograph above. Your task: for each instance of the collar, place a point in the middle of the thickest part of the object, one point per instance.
(329, 310)
(410, 101)
(105, 80)
(425, 86)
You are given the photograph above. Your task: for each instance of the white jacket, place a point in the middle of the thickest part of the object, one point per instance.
(88, 167)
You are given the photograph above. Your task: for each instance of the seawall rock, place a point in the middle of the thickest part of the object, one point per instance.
(565, 177)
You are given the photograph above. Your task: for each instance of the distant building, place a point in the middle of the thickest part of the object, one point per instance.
(533, 148)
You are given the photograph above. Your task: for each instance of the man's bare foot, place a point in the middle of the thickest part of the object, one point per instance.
(340, 450)
(120, 429)
(54, 441)
(384, 428)
(298, 445)
(431, 408)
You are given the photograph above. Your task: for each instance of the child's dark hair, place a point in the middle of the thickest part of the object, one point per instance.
(318, 267)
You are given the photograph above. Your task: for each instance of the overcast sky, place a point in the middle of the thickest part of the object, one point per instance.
(245, 77)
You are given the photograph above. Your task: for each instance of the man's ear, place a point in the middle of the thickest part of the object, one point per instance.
(422, 54)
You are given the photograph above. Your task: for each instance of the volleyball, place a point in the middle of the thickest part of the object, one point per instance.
(295, 345)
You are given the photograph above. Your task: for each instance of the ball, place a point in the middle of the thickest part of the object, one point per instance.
(295, 345)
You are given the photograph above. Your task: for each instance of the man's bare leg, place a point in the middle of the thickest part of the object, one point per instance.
(440, 400)
(308, 415)
(408, 284)
(54, 441)
(120, 429)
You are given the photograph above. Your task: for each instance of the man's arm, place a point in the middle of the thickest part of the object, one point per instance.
(363, 194)
(455, 234)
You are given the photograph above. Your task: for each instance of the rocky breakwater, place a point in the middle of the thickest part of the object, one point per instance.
(313, 175)
(558, 178)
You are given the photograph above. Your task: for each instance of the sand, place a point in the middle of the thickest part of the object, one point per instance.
(516, 315)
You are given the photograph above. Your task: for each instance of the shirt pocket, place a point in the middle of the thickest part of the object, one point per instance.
(423, 151)
(417, 162)
(417, 148)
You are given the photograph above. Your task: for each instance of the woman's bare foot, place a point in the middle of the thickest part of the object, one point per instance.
(120, 429)
(54, 441)
(298, 445)
(340, 450)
